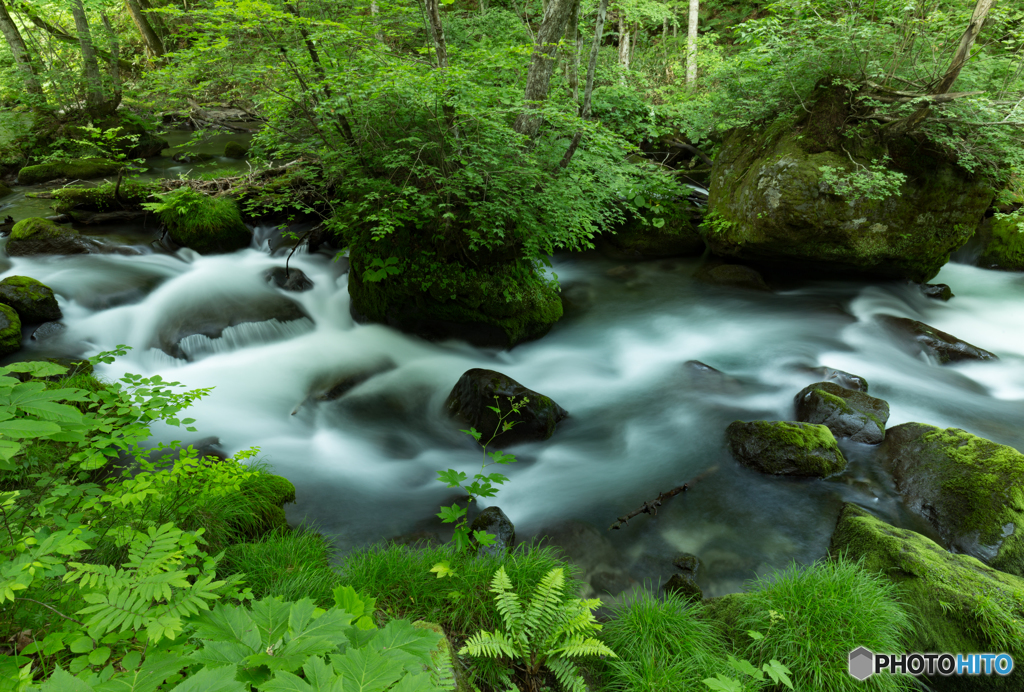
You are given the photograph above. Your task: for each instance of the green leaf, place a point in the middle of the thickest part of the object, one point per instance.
(81, 645)
(63, 681)
(25, 428)
(658, 221)
(755, 635)
(212, 680)
(287, 682)
(38, 368)
(99, 656)
(778, 673)
(443, 570)
(746, 667)
(720, 683)
(230, 624)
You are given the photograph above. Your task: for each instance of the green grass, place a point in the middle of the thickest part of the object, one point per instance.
(663, 644)
(293, 565)
(813, 616)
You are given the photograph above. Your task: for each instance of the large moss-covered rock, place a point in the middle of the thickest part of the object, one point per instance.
(33, 300)
(969, 488)
(1003, 243)
(79, 169)
(37, 236)
(210, 225)
(101, 198)
(473, 395)
(500, 304)
(10, 330)
(959, 604)
(846, 412)
(235, 150)
(269, 494)
(785, 448)
(770, 203)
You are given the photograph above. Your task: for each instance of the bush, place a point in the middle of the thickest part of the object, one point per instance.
(663, 644)
(812, 617)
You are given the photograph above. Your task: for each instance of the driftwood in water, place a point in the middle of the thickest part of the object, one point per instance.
(651, 506)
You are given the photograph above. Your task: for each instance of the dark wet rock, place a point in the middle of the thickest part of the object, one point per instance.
(969, 488)
(610, 581)
(704, 377)
(10, 330)
(495, 522)
(684, 585)
(785, 448)
(732, 275)
(235, 150)
(212, 319)
(48, 330)
(33, 300)
(476, 391)
(846, 412)
(36, 236)
(946, 348)
(291, 280)
(687, 562)
(625, 272)
(582, 544)
(844, 379)
(576, 296)
(342, 384)
(957, 603)
(191, 157)
(937, 291)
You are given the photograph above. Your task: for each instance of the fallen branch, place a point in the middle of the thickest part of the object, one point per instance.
(651, 506)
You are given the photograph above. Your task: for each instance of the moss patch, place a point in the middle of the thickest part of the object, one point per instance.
(33, 300)
(10, 330)
(959, 604)
(35, 226)
(80, 169)
(205, 224)
(970, 488)
(270, 493)
(784, 448)
(101, 197)
(235, 150)
(1005, 250)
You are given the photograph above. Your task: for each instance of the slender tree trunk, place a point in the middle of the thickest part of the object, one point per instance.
(441, 50)
(963, 52)
(691, 42)
(623, 41)
(374, 11)
(542, 63)
(154, 45)
(588, 90)
(114, 66)
(22, 58)
(93, 80)
(574, 70)
(157, 20)
(664, 30)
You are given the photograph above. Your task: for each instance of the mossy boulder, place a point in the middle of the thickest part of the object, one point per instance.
(101, 198)
(732, 276)
(669, 230)
(969, 488)
(1003, 242)
(33, 300)
(500, 304)
(235, 150)
(959, 604)
(269, 493)
(37, 236)
(76, 169)
(209, 225)
(785, 448)
(10, 330)
(4, 190)
(920, 337)
(769, 202)
(475, 392)
(846, 412)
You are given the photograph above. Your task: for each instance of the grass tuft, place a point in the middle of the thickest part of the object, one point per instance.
(293, 565)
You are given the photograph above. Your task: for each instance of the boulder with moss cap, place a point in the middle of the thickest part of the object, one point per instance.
(10, 330)
(33, 300)
(785, 448)
(77, 169)
(37, 236)
(969, 488)
(846, 412)
(959, 604)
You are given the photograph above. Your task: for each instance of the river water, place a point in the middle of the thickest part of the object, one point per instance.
(641, 422)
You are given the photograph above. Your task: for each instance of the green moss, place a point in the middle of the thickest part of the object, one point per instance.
(269, 494)
(33, 300)
(959, 604)
(80, 169)
(205, 224)
(101, 197)
(1005, 250)
(779, 447)
(235, 150)
(10, 330)
(35, 226)
(803, 435)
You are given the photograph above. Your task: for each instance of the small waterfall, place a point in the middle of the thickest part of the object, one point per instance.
(246, 334)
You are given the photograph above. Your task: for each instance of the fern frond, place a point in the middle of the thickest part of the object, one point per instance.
(567, 674)
(508, 604)
(544, 609)
(579, 646)
(490, 645)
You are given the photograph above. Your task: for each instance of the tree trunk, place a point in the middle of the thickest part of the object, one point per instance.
(963, 52)
(93, 80)
(441, 49)
(691, 42)
(115, 55)
(623, 41)
(20, 52)
(574, 70)
(588, 90)
(542, 63)
(157, 20)
(149, 36)
(664, 30)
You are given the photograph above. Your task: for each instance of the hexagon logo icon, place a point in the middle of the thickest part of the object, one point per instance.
(861, 663)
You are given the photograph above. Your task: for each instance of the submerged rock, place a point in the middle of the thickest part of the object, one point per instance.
(33, 300)
(479, 389)
(846, 412)
(495, 522)
(958, 603)
(785, 448)
(235, 150)
(685, 586)
(946, 348)
(77, 169)
(969, 488)
(36, 236)
(937, 291)
(733, 275)
(770, 201)
(291, 279)
(704, 377)
(10, 330)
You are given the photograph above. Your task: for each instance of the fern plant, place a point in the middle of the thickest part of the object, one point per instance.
(548, 633)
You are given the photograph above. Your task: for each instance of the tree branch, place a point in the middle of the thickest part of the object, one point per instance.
(651, 506)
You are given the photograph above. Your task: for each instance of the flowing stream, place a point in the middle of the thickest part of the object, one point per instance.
(641, 421)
